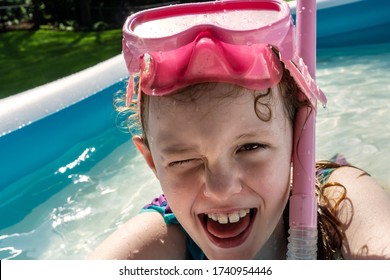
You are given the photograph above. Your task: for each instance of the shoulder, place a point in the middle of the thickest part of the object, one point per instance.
(364, 214)
(145, 236)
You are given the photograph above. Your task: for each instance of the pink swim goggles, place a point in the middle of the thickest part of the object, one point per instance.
(231, 41)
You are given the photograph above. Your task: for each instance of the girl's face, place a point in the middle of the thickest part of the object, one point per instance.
(224, 172)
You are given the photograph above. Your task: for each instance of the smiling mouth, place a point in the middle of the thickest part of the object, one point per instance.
(228, 230)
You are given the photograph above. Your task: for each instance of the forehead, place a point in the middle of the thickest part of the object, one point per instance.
(202, 98)
(216, 102)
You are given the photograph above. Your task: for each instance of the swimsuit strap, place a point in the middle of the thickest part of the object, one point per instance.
(160, 205)
(323, 173)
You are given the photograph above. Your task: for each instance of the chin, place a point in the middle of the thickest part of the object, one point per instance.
(231, 254)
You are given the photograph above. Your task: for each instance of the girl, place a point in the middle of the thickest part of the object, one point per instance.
(216, 94)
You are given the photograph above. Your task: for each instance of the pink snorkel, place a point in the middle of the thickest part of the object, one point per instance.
(303, 202)
(172, 47)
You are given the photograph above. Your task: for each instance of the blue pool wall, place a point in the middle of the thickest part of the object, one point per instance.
(44, 140)
(352, 22)
(40, 125)
(36, 142)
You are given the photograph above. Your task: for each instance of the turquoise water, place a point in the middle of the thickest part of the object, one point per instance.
(86, 194)
(356, 121)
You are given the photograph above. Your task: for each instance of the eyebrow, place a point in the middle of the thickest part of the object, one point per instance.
(255, 133)
(247, 135)
(176, 149)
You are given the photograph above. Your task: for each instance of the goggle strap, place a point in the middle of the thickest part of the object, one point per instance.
(133, 89)
(298, 70)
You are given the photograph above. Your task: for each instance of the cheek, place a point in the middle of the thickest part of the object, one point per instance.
(277, 191)
(180, 191)
(269, 179)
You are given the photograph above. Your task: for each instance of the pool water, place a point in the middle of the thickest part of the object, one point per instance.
(356, 121)
(91, 195)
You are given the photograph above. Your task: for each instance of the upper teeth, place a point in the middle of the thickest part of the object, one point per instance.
(233, 217)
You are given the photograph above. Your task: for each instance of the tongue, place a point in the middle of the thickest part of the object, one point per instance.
(227, 230)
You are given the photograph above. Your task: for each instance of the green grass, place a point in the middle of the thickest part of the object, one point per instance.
(32, 58)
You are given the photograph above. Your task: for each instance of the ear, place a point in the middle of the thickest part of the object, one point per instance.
(144, 150)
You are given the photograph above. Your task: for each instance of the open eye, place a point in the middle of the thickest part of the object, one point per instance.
(251, 147)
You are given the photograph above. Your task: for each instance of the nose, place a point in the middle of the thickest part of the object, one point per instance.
(221, 181)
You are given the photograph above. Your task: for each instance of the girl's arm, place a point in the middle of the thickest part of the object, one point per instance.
(365, 215)
(146, 236)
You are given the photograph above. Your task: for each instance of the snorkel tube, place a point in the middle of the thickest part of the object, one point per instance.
(303, 203)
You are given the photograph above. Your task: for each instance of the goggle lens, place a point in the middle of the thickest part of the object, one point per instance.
(227, 19)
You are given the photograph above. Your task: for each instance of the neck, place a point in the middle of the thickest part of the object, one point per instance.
(276, 246)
